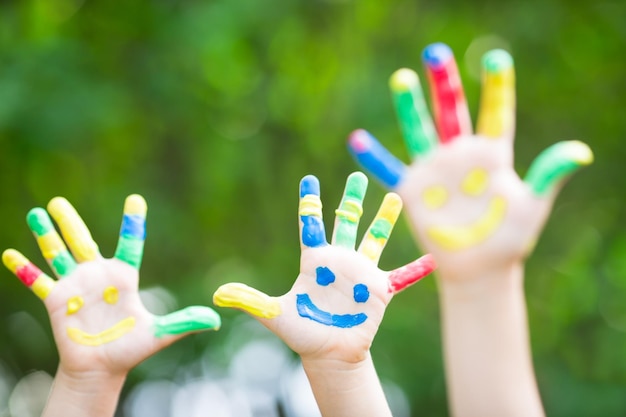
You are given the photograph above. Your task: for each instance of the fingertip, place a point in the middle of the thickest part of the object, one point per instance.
(135, 204)
(404, 79)
(356, 185)
(13, 259)
(497, 60)
(578, 152)
(38, 221)
(393, 206)
(309, 185)
(437, 54)
(57, 205)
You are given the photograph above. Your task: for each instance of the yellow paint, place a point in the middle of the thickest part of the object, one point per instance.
(435, 196)
(462, 237)
(247, 299)
(51, 245)
(14, 260)
(351, 210)
(310, 205)
(74, 230)
(403, 79)
(579, 152)
(371, 245)
(42, 286)
(109, 335)
(74, 304)
(110, 295)
(476, 181)
(135, 205)
(497, 104)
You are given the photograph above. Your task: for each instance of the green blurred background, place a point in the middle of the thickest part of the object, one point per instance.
(214, 110)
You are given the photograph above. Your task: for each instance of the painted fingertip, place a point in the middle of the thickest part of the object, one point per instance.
(497, 60)
(578, 152)
(437, 55)
(39, 283)
(409, 274)
(38, 221)
(356, 185)
(14, 260)
(309, 185)
(189, 320)
(377, 160)
(248, 299)
(135, 205)
(391, 207)
(403, 80)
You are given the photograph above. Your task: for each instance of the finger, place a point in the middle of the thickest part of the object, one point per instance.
(133, 231)
(449, 105)
(74, 230)
(409, 274)
(377, 160)
(50, 243)
(415, 121)
(189, 320)
(248, 299)
(496, 117)
(40, 283)
(312, 233)
(379, 231)
(350, 209)
(555, 164)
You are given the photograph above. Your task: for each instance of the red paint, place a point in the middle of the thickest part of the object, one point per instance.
(449, 104)
(409, 274)
(28, 273)
(359, 141)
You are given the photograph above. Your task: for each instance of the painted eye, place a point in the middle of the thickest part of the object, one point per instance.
(361, 293)
(324, 276)
(110, 295)
(435, 196)
(475, 182)
(74, 304)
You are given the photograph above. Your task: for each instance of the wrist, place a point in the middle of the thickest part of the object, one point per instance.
(478, 284)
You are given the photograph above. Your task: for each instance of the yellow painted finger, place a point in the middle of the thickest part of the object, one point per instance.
(40, 283)
(74, 230)
(496, 117)
(247, 299)
(379, 231)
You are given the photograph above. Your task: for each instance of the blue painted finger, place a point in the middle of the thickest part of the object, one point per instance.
(377, 160)
(312, 233)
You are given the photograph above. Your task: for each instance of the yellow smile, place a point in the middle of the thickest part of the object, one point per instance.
(106, 336)
(463, 237)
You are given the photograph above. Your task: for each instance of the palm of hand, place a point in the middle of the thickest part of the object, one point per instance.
(337, 302)
(98, 320)
(466, 204)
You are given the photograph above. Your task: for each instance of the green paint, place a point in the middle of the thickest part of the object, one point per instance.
(381, 229)
(63, 264)
(190, 319)
(415, 121)
(39, 221)
(130, 250)
(555, 163)
(497, 60)
(350, 210)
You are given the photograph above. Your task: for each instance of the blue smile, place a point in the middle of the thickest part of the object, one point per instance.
(307, 309)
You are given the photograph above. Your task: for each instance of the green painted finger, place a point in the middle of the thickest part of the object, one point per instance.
(50, 243)
(415, 121)
(350, 210)
(133, 231)
(555, 163)
(188, 320)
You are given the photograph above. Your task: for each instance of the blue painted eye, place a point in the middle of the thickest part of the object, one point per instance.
(324, 276)
(361, 293)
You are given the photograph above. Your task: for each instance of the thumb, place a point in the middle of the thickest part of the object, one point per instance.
(248, 299)
(189, 320)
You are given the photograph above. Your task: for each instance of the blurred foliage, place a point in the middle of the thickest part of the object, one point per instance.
(214, 110)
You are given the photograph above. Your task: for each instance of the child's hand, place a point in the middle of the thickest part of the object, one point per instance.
(467, 206)
(99, 322)
(337, 302)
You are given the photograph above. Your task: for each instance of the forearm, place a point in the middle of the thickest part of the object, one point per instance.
(486, 346)
(95, 396)
(348, 390)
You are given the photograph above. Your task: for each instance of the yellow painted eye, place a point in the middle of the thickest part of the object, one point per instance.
(475, 182)
(110, 295)
(435, 196)
(74, 304)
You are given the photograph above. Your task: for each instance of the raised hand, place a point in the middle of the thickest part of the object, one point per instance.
(337, 302)
(99, 322)
(466, 204)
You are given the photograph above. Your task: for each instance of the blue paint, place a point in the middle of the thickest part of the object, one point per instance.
(437, 54)
(361, 293)
(307, 309)
(133, 225)
(309, 185)
(324, 276)
(376, 159)
(313, 233)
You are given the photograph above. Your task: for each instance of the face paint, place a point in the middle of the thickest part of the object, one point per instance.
(106, 336)
(307, 309)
